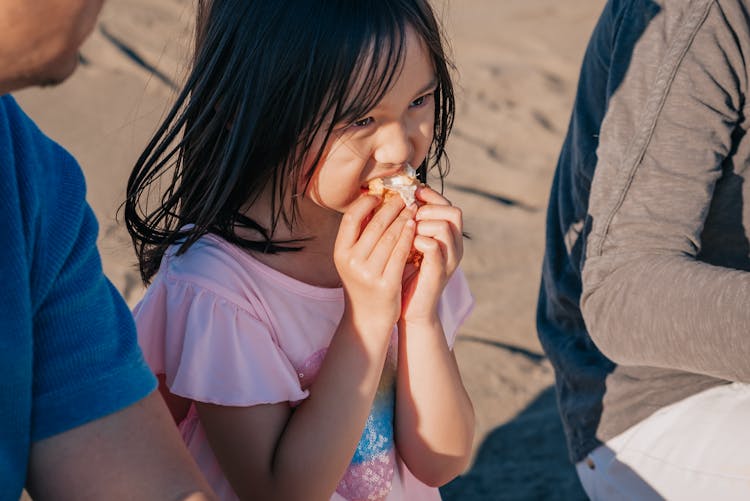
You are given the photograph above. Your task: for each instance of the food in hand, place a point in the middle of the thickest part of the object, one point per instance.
(403, 184)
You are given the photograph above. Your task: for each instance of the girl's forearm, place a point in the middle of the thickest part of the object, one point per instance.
(434, 415)
(322, 434)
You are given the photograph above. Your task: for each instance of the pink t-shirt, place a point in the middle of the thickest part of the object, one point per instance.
(226, 329)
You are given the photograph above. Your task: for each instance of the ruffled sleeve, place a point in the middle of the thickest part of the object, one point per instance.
(211, 349)
(456, 304)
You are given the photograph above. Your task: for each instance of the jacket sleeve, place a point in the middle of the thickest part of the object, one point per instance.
(666, 166)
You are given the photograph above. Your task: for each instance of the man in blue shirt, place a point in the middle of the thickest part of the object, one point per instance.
(79, 418)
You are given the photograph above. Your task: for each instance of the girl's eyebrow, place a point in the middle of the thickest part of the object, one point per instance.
(429, 86)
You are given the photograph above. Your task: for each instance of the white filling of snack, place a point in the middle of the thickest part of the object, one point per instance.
(404, 183)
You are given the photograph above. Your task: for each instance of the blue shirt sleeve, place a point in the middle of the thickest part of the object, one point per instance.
(86, 360)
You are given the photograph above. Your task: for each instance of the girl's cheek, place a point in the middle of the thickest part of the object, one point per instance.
(360, 148)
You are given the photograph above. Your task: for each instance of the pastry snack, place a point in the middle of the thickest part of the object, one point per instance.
(403, 184)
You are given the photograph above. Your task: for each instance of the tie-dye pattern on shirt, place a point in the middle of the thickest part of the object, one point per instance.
(370, 474)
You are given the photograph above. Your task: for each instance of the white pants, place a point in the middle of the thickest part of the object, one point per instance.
(695, 449)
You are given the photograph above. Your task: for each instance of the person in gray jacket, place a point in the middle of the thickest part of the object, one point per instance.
(643, 308)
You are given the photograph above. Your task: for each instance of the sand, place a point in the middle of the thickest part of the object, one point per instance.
(517, 63)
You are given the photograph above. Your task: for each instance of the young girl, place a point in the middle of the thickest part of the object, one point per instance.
(300, 354)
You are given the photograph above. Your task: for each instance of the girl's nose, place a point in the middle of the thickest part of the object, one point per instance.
(394, 144)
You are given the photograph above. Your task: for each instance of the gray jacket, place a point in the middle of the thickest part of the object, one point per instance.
(660, 116)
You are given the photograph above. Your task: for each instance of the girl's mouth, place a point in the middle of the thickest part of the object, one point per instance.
(404, 183)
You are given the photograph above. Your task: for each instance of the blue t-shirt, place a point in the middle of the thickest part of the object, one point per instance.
(68, 350)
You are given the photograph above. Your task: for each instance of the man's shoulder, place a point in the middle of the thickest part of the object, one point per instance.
(23, 143)
(36, 169)
(15, 124)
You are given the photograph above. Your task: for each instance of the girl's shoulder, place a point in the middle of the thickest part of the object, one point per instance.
(211, 261)
(204, 275)
(226, 270)
(205, 313)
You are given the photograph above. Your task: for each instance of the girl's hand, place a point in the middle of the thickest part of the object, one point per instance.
(370, 257)
(439, 236)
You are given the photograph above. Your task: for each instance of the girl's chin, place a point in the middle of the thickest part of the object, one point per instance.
(338, 206)
(329, 209)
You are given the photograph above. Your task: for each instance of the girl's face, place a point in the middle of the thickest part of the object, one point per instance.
(397, 131)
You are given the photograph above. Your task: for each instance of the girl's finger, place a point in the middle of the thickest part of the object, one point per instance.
(353, 218)
(432, 253)
(448, 213)
(381, 220)
(452, 215)
(383, 250)
(394, 267)
(429, 196)
(450, 244)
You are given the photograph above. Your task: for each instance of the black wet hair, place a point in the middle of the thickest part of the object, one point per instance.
(267, 78)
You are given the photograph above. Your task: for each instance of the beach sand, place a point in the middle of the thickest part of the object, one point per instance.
(517, 63)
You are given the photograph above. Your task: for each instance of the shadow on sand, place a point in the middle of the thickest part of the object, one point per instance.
(525, 459)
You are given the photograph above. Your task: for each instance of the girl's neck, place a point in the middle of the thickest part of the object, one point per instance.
(317, 227)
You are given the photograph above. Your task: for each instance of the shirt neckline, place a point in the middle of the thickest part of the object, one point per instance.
(276, 275)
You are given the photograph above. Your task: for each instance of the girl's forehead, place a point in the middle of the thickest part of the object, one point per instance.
(414, 71)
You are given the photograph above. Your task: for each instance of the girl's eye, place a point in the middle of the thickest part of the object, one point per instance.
(420, 101)
(363, 123)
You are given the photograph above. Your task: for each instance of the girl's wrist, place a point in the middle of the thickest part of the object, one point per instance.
(363, 325)
(430, 321)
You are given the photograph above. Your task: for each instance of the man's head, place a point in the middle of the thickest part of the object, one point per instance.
(39, 39)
